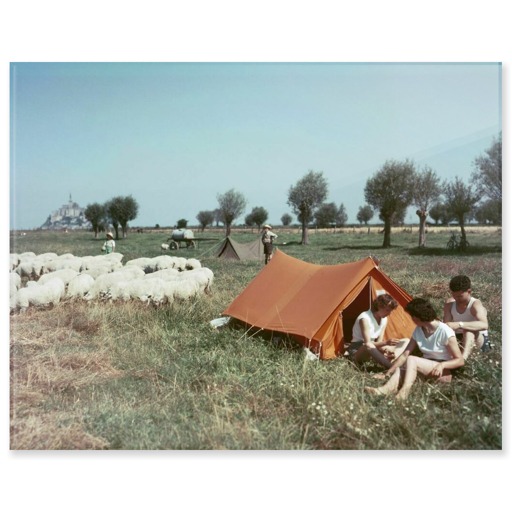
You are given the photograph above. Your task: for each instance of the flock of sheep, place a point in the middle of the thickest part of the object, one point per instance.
(46, 279)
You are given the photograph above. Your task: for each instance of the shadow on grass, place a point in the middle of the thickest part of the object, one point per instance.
(360, 247)
(439, 251)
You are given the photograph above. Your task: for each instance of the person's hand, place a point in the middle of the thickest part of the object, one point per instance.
(393, 342)
(380, 376)
(437, 371)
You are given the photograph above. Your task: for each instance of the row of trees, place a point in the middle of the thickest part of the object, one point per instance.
(391, 191)
(115, 212)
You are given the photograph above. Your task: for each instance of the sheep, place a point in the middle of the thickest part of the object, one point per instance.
(14, 280)
(14, 261)
(66, 274)
(165, 274)
(105, 281)
(192, 263)
(37, 294)
(79, 285)
(145, 290)
(30, 267)
(164, 247)
(144, 263)
(61, 263)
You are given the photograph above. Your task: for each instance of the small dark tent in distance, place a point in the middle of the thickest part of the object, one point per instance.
(318, 304)
(233, 250)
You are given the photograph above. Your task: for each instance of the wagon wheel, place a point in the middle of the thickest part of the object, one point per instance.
(174, 245)
(191, 244)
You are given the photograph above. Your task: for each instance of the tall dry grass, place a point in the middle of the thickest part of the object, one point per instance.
(126, 376)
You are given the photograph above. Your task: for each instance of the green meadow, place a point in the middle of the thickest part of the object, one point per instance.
(125, 376)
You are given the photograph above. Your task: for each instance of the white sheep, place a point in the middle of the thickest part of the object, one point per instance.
(103, 282)
(61, 263)
(30, 267)
(164, 247)
(37, 294)
(144, 263)
(79, 286)
(145, 290)
(66, 274)
(192, 263)
(14, 261)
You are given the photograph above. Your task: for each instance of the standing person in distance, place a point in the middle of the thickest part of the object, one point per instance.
(268, 238)
(109, 245)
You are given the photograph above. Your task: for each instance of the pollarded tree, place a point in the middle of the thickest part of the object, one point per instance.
(286, 219)
(390, 192)
(489, 212)
(461, 200)
(325, 215)
(231, 205)
(121, 210)
(259, 216)
(309, 192)
(439, 213)
(487, 176)
(95, 213)
(341, 215)
(426, 191)
(205, 218)
(365, 214)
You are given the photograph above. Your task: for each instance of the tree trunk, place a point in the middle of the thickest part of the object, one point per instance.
(422, 214)
(462, 233)
(387, 232)
(305, 234)
(228, 229)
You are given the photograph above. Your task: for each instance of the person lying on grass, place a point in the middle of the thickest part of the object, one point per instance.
(438, 344)
(368, 334)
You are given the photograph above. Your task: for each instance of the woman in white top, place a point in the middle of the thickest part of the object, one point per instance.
(368, 334)
(437, 342)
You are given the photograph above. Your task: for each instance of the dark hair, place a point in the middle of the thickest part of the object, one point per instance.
(421, 309)
(460, 283)
(384, 301)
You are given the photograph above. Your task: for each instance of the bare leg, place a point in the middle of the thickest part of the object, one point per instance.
(424, 366)
(390, 387)
(468, 342)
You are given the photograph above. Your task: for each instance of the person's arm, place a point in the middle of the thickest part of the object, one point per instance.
(456, 362)
(447, 312)
(399, 361)
(370, 345)
(479, 324)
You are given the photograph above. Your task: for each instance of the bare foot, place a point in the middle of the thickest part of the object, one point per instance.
(374, 391)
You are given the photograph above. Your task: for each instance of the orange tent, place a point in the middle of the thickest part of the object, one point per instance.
(318, 304)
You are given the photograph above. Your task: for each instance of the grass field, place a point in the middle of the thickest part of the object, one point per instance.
(125, 376)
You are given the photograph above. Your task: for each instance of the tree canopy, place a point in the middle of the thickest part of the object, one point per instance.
(365, 214)
(460, 202)
(231, 205)
(390, 190)
(121, 210)
(96, 214)
(309, 192)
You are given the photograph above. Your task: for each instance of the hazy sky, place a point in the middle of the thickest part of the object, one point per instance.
(176, 135)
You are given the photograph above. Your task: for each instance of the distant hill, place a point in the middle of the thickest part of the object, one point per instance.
(68, 216)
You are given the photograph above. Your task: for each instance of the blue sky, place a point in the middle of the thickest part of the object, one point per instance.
(176, 135)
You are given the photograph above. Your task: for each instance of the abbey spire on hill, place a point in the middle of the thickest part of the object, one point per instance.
(69, 216)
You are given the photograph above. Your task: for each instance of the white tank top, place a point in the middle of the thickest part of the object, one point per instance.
(465, 316)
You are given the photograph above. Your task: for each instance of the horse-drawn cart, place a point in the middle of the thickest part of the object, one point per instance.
(182, 238)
